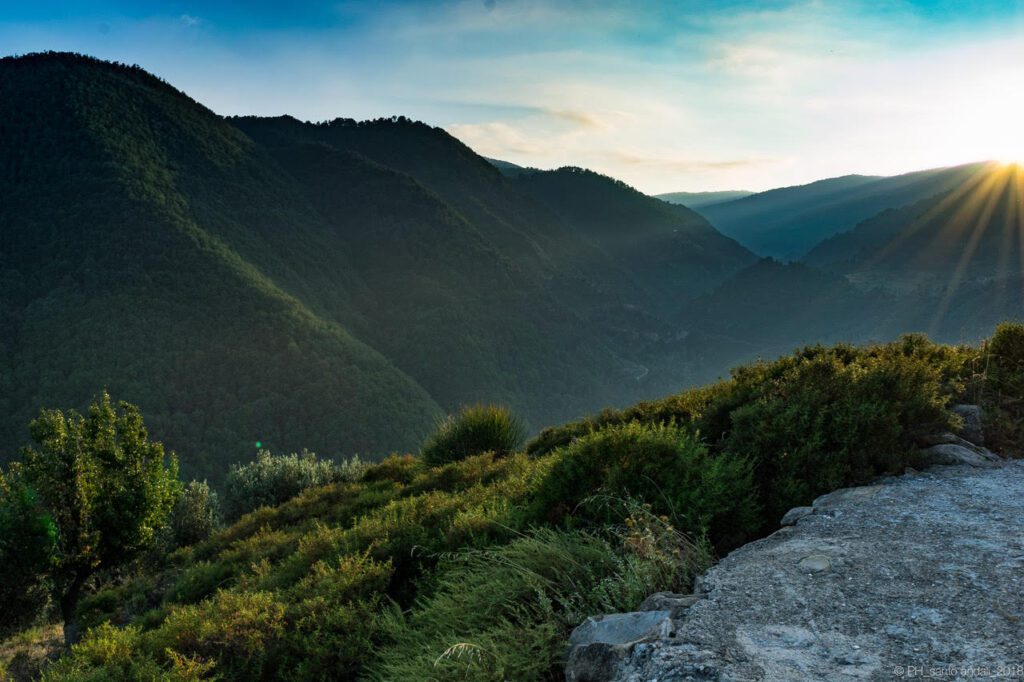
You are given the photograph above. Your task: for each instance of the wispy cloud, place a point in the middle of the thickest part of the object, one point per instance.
(704, 94)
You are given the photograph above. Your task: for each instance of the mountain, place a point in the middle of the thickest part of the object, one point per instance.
(334, 286)
(129, 215)
(786, 223)
(701, 199)
(972, 232)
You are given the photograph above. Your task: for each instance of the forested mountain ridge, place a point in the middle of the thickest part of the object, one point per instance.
(788, 222)
(123, 262)
(333, 286)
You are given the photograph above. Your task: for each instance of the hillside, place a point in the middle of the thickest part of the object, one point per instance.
(700, 199)
(393, 570)
(972, 231)
(129, 216)
(264, 280)
(786, 223)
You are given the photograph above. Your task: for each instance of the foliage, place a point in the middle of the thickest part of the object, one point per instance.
(663, 465)
(475, 430)
(28, 542)
(504, 613)
(272, 479)
(107, 488)
(1001, 383)
(195, 516)
(112, 654)
(413, 571)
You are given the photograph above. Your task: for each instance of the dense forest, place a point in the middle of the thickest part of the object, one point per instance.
(333, 286)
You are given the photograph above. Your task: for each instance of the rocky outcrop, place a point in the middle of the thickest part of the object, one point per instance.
(913, 577)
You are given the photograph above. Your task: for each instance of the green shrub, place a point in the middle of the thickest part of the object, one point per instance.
(234, 629)
(112, 654)
(272, 479)
(662, 465)
(503, 613)
(195, 516)
(475, 430)
(1002, 388)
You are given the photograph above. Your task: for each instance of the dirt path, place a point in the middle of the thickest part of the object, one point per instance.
(920, 577)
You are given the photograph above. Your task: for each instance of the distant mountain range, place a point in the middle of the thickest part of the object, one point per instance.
(702, 199)
(788, 222)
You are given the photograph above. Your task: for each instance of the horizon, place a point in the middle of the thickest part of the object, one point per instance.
(740, 95)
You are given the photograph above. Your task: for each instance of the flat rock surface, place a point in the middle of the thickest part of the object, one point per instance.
(920, 577)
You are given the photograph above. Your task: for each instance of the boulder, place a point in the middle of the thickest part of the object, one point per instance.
(795, 514)
(621, 628)
(953, 453)
(972, 430)
(598, 645)
(674, 603)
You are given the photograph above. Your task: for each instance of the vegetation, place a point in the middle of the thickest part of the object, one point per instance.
(475, 430)
(272, 479)
(196, 515)
(102, 490)
(412, 570)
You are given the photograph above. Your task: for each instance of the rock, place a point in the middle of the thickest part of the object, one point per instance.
(795, 514)
(598, 645)
(972, 430)
(674, 603)
(905, 557)
(951, 453)
(595, 662)
(621, 628)
(815, 563)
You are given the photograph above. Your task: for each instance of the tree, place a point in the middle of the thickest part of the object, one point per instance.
(28, 539)
(106, 488)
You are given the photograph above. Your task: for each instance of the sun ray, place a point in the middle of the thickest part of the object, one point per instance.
(995, 188)
(969, 185)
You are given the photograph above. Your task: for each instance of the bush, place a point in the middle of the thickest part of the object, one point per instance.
(111, 654)
(234, 629)
(196, 515)
(663, 466)
(826, 418)
(475, 430)
(1002, 392)
(272, 479)
(504, 613)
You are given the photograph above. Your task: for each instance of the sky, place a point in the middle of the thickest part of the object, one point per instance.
(674, 96)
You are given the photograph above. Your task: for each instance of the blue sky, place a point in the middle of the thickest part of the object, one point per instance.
(666, 96)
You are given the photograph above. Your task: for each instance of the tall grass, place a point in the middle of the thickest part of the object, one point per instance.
(504, 612)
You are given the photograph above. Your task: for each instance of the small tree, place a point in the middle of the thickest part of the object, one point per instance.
(106, 488)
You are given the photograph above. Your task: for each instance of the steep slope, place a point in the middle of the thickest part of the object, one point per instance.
(330, 286)
(444, 304)
(661, 254)
(785, 223)
(700, 199)
(118, 274)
